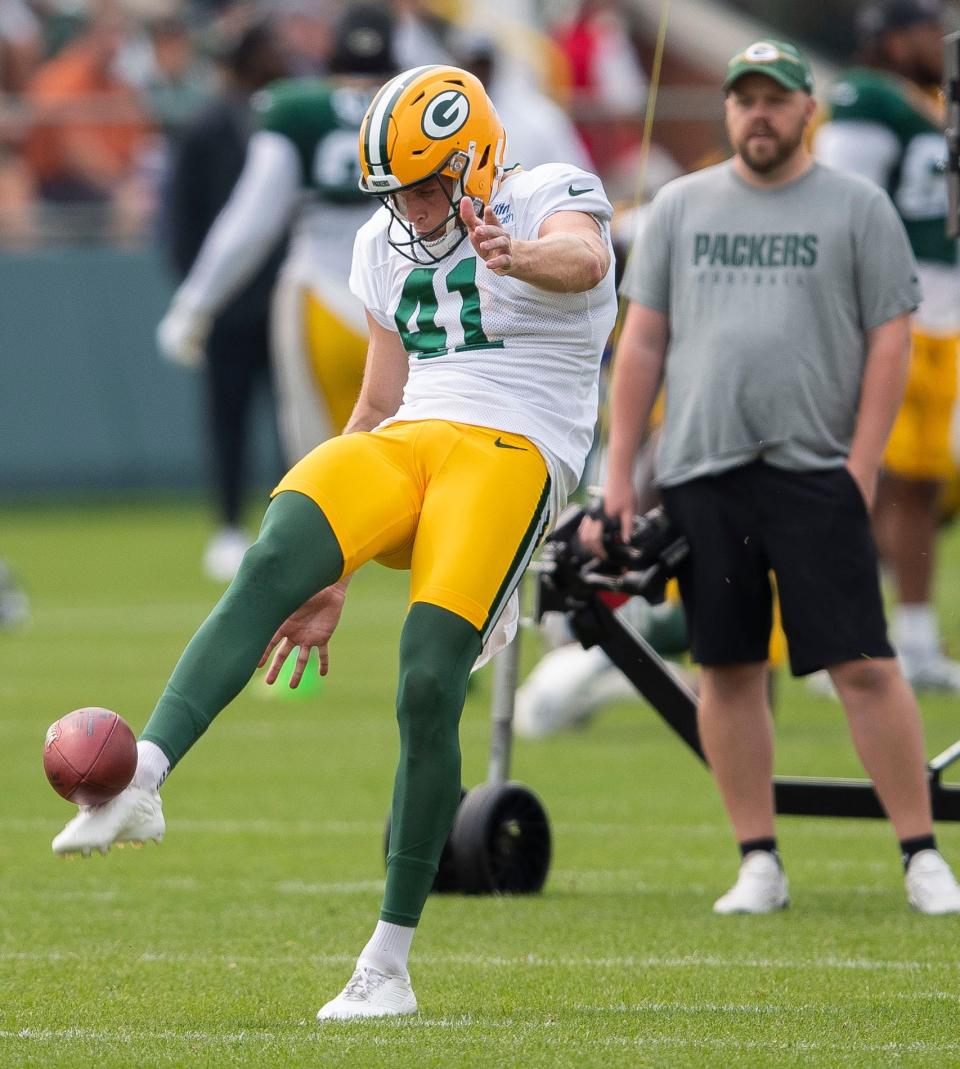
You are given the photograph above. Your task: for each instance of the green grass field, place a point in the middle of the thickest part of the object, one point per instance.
(216, 948)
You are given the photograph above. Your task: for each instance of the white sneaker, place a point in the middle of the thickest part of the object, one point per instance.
(932, 674)
(224, 552)
(134, 816)
(761, 887)
(931, 886)
(820, 685)
(371, 993)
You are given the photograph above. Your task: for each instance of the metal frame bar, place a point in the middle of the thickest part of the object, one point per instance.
(595, 624)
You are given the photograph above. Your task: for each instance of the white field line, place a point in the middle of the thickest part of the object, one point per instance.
(226, 827)
(307, 1033)
(529, 961)
(119, 619)
(278, 827)
(288, 887)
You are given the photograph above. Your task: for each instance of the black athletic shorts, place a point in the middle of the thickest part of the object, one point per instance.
(811, 529)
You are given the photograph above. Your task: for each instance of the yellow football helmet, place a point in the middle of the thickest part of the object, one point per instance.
(428, 123)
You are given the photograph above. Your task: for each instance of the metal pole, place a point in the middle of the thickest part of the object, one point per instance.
(945, 760)
(506, 667)
(951, 92)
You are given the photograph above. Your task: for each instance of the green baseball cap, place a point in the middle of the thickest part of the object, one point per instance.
(777, 60)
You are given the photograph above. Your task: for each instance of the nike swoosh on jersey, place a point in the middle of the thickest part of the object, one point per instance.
(579, 192)
(506, 445)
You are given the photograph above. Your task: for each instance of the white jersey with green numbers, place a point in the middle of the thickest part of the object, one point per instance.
(322, 122)
(489, 350)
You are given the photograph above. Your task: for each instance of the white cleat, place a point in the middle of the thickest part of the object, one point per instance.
(134, 816)
(931, 886)
(761, 887)
(371, 993)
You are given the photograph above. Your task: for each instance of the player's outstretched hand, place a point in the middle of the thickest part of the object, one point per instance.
(312, 625)
(492, 243)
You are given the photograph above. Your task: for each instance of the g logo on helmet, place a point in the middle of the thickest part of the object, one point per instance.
(445, 114)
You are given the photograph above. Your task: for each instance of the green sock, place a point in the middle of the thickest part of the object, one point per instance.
(295, 555)
(437, 651)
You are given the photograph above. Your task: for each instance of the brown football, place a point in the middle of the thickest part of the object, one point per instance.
(89, 756)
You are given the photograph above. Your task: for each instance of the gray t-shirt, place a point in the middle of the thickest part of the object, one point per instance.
(769, 294)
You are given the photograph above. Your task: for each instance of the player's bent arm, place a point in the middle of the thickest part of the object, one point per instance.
(884, 382)
(637, 371)
(248, 227)
(384, 378)
(569, 254)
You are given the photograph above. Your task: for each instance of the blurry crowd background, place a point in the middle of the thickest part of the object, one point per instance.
(94, 93)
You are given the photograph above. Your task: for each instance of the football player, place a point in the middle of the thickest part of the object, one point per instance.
(301, 164)
(886, 122)
(489, 296)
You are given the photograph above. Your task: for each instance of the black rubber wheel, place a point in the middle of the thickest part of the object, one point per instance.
(500, 842)
(445, 881)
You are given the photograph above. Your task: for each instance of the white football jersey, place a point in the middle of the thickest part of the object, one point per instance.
(492, 351)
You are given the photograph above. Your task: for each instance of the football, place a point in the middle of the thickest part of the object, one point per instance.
(89, 756)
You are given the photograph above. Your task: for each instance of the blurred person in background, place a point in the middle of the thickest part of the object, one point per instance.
(887, 122)
(306, 30)
(607, 78)
(532, 120)
(208, 161)
(771, 297)
(14, 603)
(422, 35)
(176, 81)
(301, 167)
(89, 126)
(21, 47)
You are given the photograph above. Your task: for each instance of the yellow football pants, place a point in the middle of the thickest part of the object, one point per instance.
(462, 507)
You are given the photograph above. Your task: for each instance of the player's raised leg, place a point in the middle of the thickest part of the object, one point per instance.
(295, 555)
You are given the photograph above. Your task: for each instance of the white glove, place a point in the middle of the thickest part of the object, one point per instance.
(182, 335)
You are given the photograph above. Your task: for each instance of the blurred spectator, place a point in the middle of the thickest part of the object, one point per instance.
(538, 130)
(177, 82)
(17, 197)
(608, 81)
(20, 51)
(20, 45)
(209, 160)
(14, 604)
(421, 35)
(886, 122)
(89, 126)
(306, 34)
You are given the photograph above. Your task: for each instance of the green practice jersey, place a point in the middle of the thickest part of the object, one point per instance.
(322, 121)
(915, 176)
